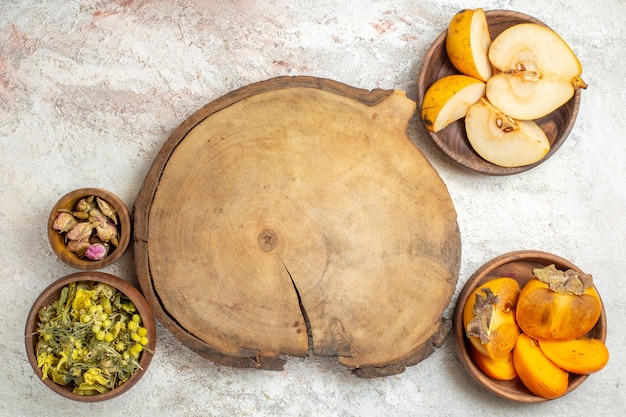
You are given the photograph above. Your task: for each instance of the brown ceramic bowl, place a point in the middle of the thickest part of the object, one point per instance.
(517, 265)
(57, 240)
(52, 293)
(452, 140)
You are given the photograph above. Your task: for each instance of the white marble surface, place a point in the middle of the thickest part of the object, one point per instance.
(91, 89)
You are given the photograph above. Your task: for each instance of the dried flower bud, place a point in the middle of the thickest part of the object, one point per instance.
(81, 231)
(85, 204)
(96, 216)
(107, 232)
(77, 246)
(64, 222)
(97, 251)
(80, 215)
(107, 209)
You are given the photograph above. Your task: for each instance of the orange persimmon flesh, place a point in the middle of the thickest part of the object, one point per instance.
(539, 374)
(489, 317)
(557, 305)
(580, 356)
(500, 369)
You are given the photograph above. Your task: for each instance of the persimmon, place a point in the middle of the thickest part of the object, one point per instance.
(489, 317)
(558, 305)
(500, 369)
(579, 356)
(539, 374)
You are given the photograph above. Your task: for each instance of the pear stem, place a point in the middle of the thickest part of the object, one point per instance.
(579, 83)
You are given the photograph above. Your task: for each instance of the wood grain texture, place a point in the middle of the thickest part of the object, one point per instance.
(295, 215)
(519, 266)
(452, 140)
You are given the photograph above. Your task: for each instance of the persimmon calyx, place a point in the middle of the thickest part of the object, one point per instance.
(568, 281)
(484, 308)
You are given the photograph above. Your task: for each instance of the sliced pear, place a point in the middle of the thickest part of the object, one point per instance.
(467, 43)
(538, 71)
(503, 140)
(448, 99)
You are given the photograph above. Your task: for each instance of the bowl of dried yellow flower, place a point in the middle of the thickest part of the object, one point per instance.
(90, 336)
(89, 228)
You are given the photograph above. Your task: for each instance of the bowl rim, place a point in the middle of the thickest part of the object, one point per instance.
(68, 201)
(52, 292)
(482, 275)
(489, 168)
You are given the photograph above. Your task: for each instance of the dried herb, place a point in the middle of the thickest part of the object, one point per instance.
(91, 337)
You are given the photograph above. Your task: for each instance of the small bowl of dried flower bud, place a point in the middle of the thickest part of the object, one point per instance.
(89, 228)
(90, 336)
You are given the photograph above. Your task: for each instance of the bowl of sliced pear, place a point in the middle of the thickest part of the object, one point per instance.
(499, 91)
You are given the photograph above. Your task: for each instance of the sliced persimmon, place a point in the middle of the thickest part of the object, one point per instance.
(539, 374)
(579, 356)
(500, 369)
(489, 317)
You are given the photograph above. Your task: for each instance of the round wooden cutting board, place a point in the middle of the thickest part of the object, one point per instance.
(295, 215)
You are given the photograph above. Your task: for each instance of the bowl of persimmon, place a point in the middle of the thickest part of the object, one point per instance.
(530, 326)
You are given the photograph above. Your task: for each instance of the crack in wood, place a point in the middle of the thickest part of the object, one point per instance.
(307, 323)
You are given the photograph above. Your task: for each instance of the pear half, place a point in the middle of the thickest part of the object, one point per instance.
(538, 71)
(502, 140)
